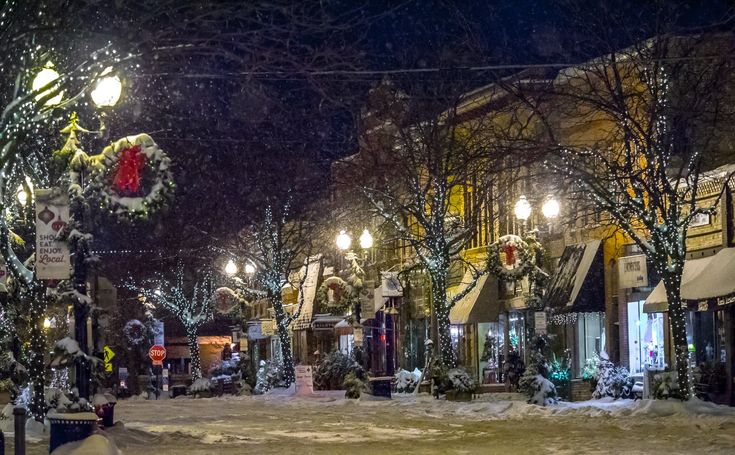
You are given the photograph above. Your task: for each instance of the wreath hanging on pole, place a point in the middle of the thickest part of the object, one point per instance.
(511, 258)
(133, 177)
(339, 301)
(135, 332)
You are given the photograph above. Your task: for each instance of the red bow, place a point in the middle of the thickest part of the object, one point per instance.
(127, 178)
(509, 254)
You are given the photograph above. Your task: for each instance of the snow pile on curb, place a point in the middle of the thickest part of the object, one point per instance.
(93, 445)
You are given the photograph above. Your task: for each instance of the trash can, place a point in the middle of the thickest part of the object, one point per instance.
(70, 427)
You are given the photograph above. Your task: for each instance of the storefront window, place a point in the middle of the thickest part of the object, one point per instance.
(645, 338)
(490, 338)
(590, 336)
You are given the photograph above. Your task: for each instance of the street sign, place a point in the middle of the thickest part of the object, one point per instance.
(157, 353)
(109, 354)
(165, 379)
(539, 319)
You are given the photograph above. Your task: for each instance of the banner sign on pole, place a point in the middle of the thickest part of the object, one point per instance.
(52, 215)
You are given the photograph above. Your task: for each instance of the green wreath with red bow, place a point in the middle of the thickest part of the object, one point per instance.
(133, 177)
(511, 258)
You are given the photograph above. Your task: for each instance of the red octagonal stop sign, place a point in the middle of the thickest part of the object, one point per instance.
(157, 353)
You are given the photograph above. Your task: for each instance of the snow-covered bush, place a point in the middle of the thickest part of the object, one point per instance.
(270, 375)
(461, 381)
(406, 381)
(353, 385)
(612, 381)
(202, 387)
(590, 371)
(331, 372)
(543, 391)
(538, 365)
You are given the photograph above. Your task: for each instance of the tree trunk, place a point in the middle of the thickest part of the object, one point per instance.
(677, 321)
(196, 363)
(289, 374)
(441, 310)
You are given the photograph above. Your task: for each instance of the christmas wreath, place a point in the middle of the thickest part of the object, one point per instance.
(133, 177)
(135, 332)
(339, 302)
(511, 258)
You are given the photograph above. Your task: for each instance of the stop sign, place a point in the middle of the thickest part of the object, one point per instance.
(157, 353)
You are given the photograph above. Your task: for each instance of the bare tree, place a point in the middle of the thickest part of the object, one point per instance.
(191, 304)
(635, 130)
(427, 167)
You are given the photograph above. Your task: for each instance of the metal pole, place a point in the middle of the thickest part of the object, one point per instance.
(20, 430)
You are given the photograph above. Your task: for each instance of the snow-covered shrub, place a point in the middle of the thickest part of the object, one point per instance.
(331, 372)
(406, 381)
(665, 385)
(543, 391)
(201, 387)
(270, 375)
(461, 381)
(590, 371)
(538, 365)
(612, 381)
(353, 386)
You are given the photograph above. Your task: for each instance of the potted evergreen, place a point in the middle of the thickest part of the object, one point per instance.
(460, 385)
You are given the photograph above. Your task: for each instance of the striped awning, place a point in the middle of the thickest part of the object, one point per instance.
(480, 304)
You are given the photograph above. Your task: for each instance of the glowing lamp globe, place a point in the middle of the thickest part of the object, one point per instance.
(551, 208)
(46, 323)
(366, 240)
(522, 209)
(107, 91)
(45, 77)
(22, 196)
(343, 241)
(231, 267)
(249, 269)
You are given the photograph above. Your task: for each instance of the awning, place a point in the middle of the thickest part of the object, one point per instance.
(325, 321)
(706, 283)
(481, 304)
(576, 285)
(343, 328)
(307, 292)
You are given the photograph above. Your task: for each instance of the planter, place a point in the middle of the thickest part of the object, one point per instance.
(456, 395)
(66, 428)
(380, 386)
(106, 412)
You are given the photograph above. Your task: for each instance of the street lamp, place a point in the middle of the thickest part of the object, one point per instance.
(231, 268)
(108, 89)
(45, 77)
(522, 209)
(249, 269)
(551, 208)
(366, 240)
(24, 195)
(344, 241)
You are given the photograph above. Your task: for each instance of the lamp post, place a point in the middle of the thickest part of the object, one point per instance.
(105, 95)
(523, 209)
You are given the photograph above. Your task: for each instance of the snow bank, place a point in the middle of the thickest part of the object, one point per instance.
(93, 445)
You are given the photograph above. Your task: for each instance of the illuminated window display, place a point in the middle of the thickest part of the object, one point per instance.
(645, 338)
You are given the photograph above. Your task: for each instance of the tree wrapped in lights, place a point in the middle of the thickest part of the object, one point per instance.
(279, 244)
(192, 305)
(636, 133)
(433, 173)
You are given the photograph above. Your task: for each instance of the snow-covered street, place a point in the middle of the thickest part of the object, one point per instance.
(489, 424)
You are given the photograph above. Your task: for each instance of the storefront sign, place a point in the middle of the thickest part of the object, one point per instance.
(539, 318)
(700, 219)
(722, 301)
(255, 331)
(52, 215)
(632, 272)
(304, 380)
(268, 327)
